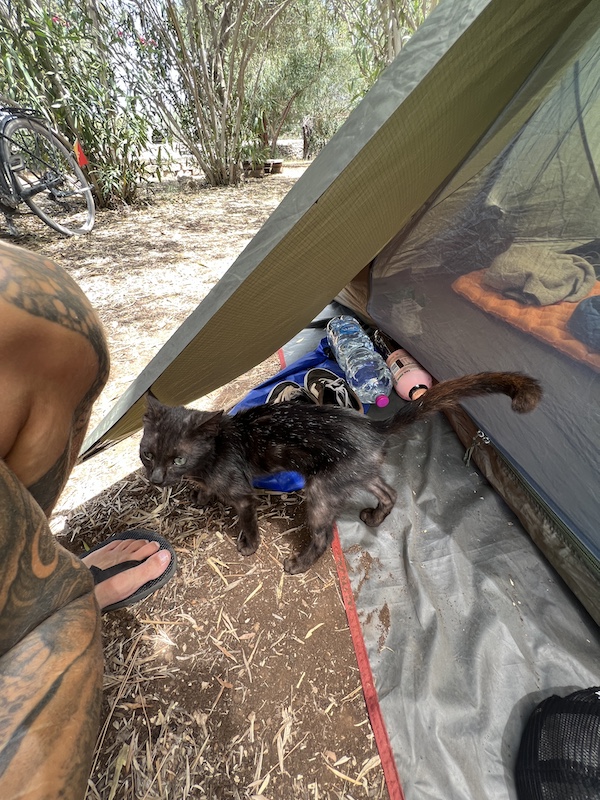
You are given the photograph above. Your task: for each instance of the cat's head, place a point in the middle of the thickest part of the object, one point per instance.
(177, 442)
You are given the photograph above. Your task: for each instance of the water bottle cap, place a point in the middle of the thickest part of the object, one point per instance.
(382, 401)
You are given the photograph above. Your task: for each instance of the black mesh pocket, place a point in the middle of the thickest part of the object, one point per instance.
(559, 755)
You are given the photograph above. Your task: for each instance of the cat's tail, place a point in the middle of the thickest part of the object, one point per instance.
(525, 392)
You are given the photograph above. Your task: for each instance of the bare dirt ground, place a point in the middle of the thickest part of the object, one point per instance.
(235, 680)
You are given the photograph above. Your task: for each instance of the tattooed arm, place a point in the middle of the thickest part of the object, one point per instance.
(53, 364)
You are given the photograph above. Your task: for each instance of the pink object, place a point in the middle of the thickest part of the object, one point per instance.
(410, 379)
(382, 401)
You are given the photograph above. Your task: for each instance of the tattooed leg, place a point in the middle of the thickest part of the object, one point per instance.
(53, 364)
(50, 656)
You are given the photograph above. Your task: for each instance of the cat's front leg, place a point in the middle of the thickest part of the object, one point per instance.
(248, 536)
(201, 495)
(322, 506)
(319, 542)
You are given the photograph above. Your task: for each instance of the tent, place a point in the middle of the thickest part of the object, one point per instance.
(437, 125)
(466, 185)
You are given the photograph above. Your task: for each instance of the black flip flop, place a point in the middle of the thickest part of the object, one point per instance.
(100, 575)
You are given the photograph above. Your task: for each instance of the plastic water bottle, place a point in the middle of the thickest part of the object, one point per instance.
(345, 333)
(365, 370)
(409, 378)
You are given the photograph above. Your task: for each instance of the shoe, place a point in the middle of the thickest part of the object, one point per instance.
(289, 392)
(327, 388)
(100, 575)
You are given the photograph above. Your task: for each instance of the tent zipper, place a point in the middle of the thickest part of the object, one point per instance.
(481, 439)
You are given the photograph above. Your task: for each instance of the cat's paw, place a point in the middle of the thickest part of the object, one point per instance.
(201, 498)
(295, 565)
(372, 516)
(247, 546)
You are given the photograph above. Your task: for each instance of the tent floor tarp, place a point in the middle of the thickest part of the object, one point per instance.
(466, 625)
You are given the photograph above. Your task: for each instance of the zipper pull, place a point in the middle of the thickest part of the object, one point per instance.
(479, 439)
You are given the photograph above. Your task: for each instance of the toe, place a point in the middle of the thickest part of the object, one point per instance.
(119, 551)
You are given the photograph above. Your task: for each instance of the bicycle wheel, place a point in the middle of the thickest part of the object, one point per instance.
(47, 177)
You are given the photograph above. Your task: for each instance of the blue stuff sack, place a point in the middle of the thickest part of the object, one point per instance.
(288, 481)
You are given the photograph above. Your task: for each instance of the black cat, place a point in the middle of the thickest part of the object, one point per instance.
(336, 450)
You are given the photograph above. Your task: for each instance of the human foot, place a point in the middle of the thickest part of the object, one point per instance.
(123, 551)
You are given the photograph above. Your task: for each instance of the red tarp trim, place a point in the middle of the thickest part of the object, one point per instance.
(382, 741)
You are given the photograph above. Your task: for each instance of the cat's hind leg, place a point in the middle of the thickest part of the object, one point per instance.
(386, 499)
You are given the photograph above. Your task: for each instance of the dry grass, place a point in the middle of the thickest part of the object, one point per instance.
(235, 680)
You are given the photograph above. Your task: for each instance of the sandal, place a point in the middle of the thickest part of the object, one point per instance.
(100, 575)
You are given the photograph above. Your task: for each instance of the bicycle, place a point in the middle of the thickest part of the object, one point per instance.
(38, 167)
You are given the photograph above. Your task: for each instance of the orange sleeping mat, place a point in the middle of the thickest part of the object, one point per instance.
(548, 323)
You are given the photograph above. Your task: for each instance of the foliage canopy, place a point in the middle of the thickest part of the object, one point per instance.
(225, 78)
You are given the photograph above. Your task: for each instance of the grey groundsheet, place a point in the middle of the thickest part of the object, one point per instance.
(466, 625)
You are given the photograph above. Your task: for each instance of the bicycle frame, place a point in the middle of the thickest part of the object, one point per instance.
(7, 183)
(38, 167)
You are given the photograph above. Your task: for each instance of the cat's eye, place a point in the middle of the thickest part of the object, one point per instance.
(147, 455)
(179, 461)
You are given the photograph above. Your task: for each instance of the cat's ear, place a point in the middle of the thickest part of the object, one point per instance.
(153, 406)
(209, 424)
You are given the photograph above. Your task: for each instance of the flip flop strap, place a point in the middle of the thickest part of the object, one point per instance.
(100, 575)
